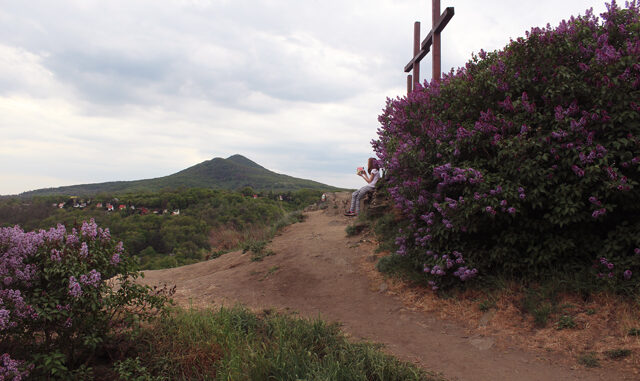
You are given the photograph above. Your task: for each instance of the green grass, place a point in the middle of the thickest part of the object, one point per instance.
(487, 304)
(356, 228)
(236, 344)
(565, 322)
(616, 354)
(258, 250)
(541, 302)
(589, 360)
(634, 332)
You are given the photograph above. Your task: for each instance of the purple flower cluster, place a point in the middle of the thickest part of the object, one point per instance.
(89, 229)
(75, 289)
(445, 263)
(84, 250)
(606, 268)
(92, 279)
(10, 368)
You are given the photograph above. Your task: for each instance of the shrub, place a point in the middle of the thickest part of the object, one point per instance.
(590, 360)
(356, 228)
(258, 250)
(616, 354)
(565, 322)
(62, 295)
(525, 162)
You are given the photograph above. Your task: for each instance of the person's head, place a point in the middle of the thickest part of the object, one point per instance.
(372, 164)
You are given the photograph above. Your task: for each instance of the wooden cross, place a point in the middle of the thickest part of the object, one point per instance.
(420, 50)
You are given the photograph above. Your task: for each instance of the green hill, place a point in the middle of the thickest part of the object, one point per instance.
(232, 173)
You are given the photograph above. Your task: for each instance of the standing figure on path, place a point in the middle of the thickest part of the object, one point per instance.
(373, 168)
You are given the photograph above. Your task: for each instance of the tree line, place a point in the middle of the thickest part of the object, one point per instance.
(210, 221)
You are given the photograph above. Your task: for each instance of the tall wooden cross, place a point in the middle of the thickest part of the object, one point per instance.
(420, 50)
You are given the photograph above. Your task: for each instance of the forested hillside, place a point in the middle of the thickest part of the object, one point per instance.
(169, 228)
(231, 173)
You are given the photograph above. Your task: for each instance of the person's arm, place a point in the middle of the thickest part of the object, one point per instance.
(366, 178)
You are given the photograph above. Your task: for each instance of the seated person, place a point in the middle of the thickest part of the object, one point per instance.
(373, 169)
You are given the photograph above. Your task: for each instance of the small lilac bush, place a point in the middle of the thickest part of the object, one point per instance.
(526, 161)
(62, 295)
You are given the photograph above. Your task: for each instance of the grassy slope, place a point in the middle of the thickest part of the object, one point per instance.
(236, 344)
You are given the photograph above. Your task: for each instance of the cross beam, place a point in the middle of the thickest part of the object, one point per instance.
(420, 50)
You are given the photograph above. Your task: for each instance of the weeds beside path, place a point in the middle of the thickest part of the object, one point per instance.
(316, 270)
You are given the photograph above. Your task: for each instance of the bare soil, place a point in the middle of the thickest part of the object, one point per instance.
(317, 271)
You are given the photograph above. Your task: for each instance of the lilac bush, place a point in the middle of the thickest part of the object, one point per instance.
(525, 161)
(62, 294)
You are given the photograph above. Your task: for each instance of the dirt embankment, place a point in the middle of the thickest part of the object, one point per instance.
(317, 271)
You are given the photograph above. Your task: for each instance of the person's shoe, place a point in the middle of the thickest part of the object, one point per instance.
(349, 213)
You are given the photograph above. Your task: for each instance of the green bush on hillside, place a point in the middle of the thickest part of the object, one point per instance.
(525, 162)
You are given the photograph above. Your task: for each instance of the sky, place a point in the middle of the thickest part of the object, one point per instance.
(94, 91)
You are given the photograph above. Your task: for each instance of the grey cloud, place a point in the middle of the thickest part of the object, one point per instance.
(103, 66)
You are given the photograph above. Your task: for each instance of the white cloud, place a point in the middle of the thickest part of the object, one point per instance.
(95, 91)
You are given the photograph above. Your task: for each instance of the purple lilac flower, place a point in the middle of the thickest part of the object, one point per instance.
(74, 287)
(55, 234)
(595, 201)
(72, 239)
(56, 255)
(89, 229)
(577, 170)
(84, 250)
(627, 274)
(10, 368)
(105, 234)
(4, 318)
(91, 279)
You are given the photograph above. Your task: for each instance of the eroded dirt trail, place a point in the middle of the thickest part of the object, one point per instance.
(317, 271)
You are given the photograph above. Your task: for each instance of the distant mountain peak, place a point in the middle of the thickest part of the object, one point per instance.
(239, 159)
(231, 173)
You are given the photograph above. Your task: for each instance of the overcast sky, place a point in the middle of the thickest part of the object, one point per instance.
(94, 91)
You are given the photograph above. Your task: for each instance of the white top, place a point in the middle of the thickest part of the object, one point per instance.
(376, 176)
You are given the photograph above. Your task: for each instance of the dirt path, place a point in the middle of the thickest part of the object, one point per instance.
(317, 271)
